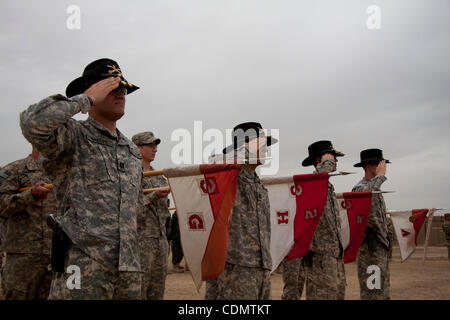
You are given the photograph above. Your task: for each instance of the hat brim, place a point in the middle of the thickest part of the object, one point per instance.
(270, 141)
(155, 140)
(309, 161)
(360, 164)
(81, 84)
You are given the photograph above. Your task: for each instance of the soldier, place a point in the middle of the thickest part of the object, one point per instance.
(175, 240)
(98, 172)
(376, 243)
(152, 223)
(446, 227)
(294, 275)
(325, 273)
(26, 239)
(248, 263)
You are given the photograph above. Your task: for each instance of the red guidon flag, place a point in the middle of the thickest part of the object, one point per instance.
(407, 225)
(310, 196)
(204, 196)
(354, 210)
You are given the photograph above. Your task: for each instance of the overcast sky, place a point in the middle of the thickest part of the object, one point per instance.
(311, 69)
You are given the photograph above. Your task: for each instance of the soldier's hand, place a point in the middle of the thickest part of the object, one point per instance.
(99, 90)
(39, 192)
(328, 156)
(163, 193)
(381, 168)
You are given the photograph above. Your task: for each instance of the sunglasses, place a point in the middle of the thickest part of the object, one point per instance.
(120, 90)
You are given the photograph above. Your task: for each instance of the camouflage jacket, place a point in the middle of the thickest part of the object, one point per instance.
(327, 237)
(377, 217)
(249, 236)
(25, 227)
(98, 173)
(154, 214)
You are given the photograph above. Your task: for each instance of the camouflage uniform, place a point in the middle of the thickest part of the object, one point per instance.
(294, 275)
(248, 263)
(98, 173)
(446, 227)
(175, 239)
(26, 238)
(153, 240)
(376, 244)
(211, 290)
(325, 272)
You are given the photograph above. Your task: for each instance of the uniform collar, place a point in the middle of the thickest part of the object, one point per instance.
(248, 175)
(32, 165)
(115, 134)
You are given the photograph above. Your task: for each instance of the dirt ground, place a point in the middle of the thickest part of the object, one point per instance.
(411, 280)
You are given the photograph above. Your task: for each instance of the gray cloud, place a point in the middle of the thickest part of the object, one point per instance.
(312, 70)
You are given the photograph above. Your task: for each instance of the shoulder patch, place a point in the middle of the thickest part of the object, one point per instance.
(4, 173)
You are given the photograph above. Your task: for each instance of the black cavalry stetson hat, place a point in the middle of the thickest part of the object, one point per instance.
(318, 149)
(371, 155)
(96, 71)
(246, 132)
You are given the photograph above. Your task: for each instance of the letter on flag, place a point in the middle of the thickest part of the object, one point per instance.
(204, 196)
(354, 210)
(407, 225)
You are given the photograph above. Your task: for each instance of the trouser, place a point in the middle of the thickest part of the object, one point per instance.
(26, 276)
(373, 272)
(211, 290)
(87, 279)
(294, 274)
(325, 278)
(177, 251)
(154, 258)
(243, 283)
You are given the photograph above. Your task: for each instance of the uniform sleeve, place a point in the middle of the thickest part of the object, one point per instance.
(46, 125)
(150, 199)
(378, 181)
(326, 166)
(372, 185)
(11, 200)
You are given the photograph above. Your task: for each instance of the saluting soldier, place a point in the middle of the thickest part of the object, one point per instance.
(26, 239)
(248, 263)
(152, 222)
(98, 172)
(325, 272)
(376, 245)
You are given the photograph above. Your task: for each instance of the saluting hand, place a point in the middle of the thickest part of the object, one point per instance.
(39, 192)
(99, 90)
(381, 168)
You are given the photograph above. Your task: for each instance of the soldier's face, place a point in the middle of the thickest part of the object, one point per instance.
(113, 106)
(148, 151)
(371, 168)
(257, 149)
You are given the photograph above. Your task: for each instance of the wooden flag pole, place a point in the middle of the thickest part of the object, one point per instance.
(46, 186)
(156, 189)
(153, 173)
